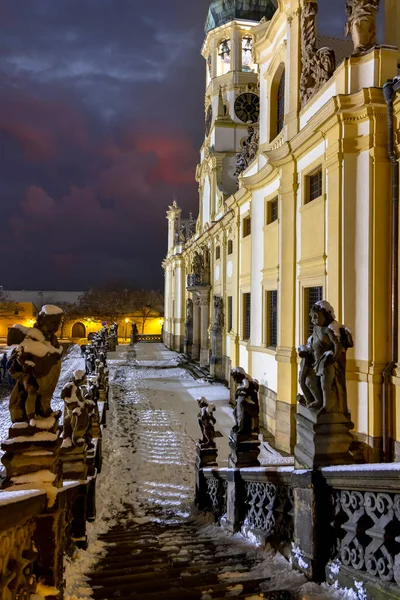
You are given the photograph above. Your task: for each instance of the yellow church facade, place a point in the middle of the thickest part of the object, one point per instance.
(295, 206)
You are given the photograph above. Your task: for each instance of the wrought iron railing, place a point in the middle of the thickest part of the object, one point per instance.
(153, 338)
(196, 280)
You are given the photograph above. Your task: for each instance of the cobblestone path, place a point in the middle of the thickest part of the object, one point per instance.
(154, 543)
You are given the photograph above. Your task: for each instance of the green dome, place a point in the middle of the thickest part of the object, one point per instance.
(223, 11)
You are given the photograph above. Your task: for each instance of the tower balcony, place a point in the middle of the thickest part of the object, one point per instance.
(197, 280)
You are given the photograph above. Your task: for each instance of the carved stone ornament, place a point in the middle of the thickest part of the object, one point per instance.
(198, 263)
(218, 313)
(361, 24)
(191, 226)
(323, 367)
(248, 153)
(318, 65)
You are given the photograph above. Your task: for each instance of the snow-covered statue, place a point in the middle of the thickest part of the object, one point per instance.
(207, 422)
(134, 334)
(323, 367)
(36, 366)
(247, 408)
(361, 24)
(78, 412)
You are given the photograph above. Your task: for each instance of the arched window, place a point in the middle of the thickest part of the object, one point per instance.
(277, 103)
(247, 54)
(281, 103)
(224, 57)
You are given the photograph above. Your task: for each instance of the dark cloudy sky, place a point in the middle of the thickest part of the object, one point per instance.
(101, 119)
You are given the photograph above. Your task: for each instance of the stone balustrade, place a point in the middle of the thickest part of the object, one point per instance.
(40, 527)
(337, 524)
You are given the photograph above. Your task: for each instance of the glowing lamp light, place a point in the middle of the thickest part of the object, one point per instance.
(126, 320)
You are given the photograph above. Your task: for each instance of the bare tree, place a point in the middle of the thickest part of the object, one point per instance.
(147, 303)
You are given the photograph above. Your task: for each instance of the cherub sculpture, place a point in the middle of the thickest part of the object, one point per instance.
(207, 422)
(36, 366)
(323, 367)
(361, 24)
(247, 408)
(78, 412)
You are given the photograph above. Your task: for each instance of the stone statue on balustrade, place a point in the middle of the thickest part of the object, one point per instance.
(323, 366)
(246, 412)
(134, 334)
(244, 439)
(78, 412)
(361, 24)
(324, 426)
(36, 366)
(207, 423)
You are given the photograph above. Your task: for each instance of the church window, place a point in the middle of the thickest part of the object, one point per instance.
(277, 103)
(217, 252)
(230, 313)
(272, 319)
(246, 316)
(230, 247)
(314, 186)
(224, 56)
(312, 296)
(281, 103)
(246, 226)
(247, 54)
(272, 211)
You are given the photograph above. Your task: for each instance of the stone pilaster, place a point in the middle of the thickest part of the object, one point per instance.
(204, 325)
(196, 327)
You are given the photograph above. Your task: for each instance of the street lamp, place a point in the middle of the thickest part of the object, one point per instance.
(126, 327)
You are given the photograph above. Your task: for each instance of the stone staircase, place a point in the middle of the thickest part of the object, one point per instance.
(159, 560)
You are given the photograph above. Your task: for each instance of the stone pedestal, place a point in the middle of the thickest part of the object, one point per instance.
(217, 368)
(235, 496)
(74, 463)
(322, 439)
(205, 458)
(312, 524)
(31, 456)
(112, 344)
(244, 451)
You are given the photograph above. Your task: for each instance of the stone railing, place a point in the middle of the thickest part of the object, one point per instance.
(339, 524)
(40, 527)
(197, 280)
(365, 526)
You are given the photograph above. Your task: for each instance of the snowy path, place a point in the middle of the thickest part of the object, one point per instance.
(148, 540)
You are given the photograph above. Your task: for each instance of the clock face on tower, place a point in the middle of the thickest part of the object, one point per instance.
(247, 107)
(209, 116)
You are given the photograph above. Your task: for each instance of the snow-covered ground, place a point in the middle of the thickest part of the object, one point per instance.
(148, 470)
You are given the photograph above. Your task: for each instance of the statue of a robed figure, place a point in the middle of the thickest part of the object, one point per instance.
(323, 419)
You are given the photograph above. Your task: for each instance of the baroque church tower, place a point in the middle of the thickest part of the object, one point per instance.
(232, 102)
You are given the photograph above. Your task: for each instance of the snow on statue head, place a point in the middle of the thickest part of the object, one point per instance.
(36, 366)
